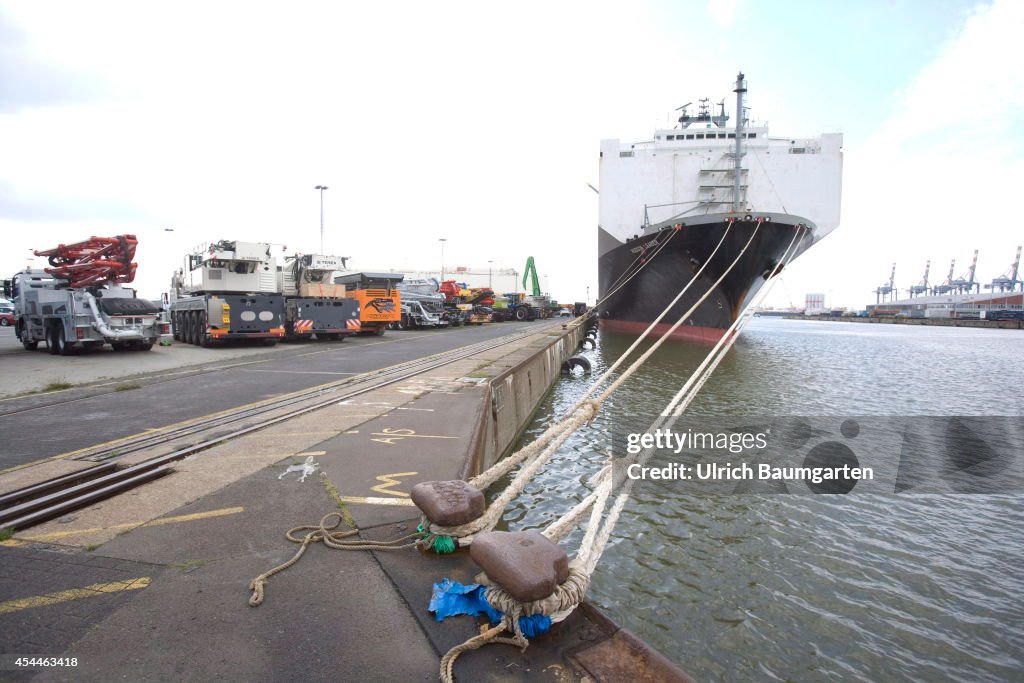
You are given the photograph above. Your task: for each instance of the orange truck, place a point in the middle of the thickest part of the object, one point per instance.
(379, 300)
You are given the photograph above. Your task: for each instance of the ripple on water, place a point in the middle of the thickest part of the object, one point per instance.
(800, 587)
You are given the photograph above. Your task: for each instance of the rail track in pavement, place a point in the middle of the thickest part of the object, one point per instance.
(32, 505)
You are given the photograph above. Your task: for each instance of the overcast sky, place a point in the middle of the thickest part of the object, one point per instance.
(480, 122)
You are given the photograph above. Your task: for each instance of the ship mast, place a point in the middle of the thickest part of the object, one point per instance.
(741, 87)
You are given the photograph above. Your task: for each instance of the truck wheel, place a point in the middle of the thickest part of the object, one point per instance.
(197, 328)
(63, 348)
(521, 314)
(379, 331)
(144, 346)
(51, 340)
(204, 339)
(176, 326)
(186, 328)
(26, 341)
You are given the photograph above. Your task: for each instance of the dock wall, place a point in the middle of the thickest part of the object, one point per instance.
(516, 391)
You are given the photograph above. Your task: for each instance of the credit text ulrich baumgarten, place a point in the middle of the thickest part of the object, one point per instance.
(668, 441)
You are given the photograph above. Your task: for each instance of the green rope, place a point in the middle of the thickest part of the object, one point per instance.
(442, 545)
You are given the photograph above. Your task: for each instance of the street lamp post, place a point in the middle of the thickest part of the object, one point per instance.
(442, 241)
(321, 188)
(490, 278)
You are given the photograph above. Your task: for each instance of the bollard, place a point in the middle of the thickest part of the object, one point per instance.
(524, 563)
(448, 503)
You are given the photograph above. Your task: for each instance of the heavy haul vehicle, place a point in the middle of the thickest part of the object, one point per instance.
(227, 290)
(314, 304)
(472, 305)
(380, 303)
(80, 301)
(422, 305)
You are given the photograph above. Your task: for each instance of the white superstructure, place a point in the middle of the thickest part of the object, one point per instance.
(690, 171)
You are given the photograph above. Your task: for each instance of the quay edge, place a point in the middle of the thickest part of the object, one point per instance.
(590, 641)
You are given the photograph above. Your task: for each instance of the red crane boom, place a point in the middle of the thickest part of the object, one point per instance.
(95, 261)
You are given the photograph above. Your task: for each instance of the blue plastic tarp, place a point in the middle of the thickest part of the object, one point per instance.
(451, 598)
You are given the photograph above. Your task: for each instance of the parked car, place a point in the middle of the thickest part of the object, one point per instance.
(564, 313)
(6, 315)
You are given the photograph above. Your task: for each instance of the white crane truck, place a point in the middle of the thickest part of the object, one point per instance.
(313, 303)
(227, 290)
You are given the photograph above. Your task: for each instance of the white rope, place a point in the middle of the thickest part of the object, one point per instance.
(570, 594)
(607, 373)
(620, 283)
(675, 326)
(590, 554)
(536, 454)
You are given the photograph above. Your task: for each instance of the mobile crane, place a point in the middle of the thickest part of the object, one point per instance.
(227, 290)
(80, 301)
(313, 303)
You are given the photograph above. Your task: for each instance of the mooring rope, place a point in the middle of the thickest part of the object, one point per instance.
(532, 457)
(536, 454)
(620, 282)
(322, 533)
(598, 532)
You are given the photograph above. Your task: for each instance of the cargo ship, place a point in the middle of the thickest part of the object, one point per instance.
(667, 203)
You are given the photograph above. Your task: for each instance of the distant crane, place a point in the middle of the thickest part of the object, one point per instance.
(947, 286)
(1009, 280)
(966, 284)
(530, 275)
(887, 290)
(921, 287)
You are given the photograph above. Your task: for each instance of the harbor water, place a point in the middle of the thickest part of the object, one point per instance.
(807, 587)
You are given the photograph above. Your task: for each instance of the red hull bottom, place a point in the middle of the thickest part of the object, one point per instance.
(693, 333)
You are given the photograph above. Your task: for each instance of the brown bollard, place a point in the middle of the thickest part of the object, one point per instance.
(448, 503)
(524, 563)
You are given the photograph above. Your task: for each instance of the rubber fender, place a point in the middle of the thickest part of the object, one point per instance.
(576, 362)
(588, 343)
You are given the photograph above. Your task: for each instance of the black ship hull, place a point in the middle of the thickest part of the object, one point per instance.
(641, 276)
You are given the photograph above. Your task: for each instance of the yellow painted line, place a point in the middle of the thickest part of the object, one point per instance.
(131, 525)
(11, 543)
(92, 591)
(297, 455)
(402, 502)
(390, 480)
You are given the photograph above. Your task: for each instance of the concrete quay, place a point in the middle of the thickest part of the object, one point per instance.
(152, 585)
